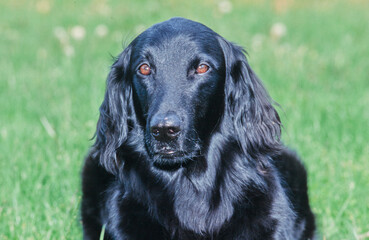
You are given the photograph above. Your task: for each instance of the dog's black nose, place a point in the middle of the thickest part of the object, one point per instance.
(165, 127)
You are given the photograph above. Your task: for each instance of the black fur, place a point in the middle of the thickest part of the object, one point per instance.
(223, 174)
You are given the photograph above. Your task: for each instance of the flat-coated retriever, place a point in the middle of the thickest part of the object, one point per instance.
(188, 147)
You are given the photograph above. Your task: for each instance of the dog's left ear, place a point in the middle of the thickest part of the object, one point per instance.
(256, 123)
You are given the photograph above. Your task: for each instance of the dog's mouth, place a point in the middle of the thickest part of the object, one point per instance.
(170, 153)
(170, 160)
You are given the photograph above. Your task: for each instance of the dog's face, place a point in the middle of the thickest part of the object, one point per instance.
(171, 89)
(178, 77)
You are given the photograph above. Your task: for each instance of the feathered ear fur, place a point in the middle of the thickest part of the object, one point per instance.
(112, 127)
(256, 123)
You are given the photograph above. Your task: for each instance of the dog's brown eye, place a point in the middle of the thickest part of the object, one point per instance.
(202, 68)
(145, 69)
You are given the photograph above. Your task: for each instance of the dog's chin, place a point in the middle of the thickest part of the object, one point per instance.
(170, 161)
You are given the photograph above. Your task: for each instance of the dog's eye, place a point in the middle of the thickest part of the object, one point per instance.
(145, 69)
(202, 68)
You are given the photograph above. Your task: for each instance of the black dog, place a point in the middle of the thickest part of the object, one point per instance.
(188, 147)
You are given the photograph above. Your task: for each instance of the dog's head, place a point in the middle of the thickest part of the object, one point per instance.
(174, 86)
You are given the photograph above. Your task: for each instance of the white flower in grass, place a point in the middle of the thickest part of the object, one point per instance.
(278, 30)
(78, 32)
(101, 30)
(61, 35)
(225, 6)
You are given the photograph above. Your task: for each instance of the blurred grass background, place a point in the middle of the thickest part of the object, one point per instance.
(55, 56)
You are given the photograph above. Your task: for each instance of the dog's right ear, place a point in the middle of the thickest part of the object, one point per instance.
(112, 127)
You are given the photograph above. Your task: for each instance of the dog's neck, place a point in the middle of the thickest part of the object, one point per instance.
(197, 208)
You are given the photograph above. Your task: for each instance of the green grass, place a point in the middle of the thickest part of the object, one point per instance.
(51, 86)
